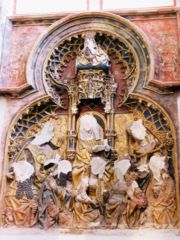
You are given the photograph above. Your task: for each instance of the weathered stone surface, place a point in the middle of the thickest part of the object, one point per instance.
(163, 34)
(15, 54)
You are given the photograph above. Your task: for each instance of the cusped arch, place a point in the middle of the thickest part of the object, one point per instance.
(102, 23)
(141, 106)
(44, 108)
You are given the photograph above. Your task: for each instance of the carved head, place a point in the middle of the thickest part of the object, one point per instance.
(121, 167)
(156, 165)
(23, 170)
(90, 45)
(45, 135)
(98, 165)
(64, 166)
(50, 164)
(137, 130)
(89, 128)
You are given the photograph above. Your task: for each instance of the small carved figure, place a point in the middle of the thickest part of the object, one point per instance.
(137, 201)
(161, 194)
(56, 193)
(92, 55)
(144, 177)
(90, 135)
(89, 208)
(86, 209)
(21, 198)
(43, 149)
(47, 206)
(141, 142)
(116, 203)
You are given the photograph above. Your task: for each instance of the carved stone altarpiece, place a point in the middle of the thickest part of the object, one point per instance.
(92, 152)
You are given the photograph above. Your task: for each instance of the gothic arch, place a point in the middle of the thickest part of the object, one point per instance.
(74, 26)
(43, 109)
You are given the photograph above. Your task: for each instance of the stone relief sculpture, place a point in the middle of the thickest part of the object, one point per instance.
(73, 176)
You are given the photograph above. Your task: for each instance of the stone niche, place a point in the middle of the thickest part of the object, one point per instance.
(93, 148)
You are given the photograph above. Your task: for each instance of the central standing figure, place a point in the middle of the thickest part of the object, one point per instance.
(86, 207)
(90, 134)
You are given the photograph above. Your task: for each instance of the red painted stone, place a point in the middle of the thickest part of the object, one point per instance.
(163, 35)
(22, 39)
